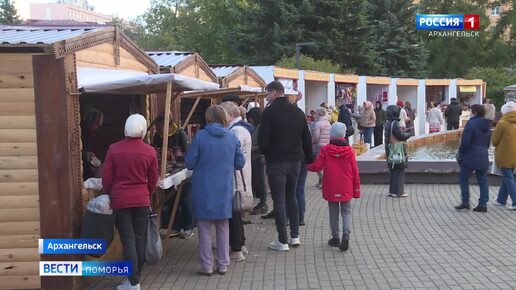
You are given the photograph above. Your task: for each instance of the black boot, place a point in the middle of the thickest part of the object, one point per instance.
(480, 208)
(269, 215)
(260, 208)
(334, 242)
(463, 206)
(344, 244)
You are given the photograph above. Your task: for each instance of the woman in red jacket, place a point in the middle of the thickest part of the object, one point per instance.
(341, 182)
(130, 175)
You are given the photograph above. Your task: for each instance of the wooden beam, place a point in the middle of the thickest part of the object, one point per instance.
(190, 114)
(19, 228)
(19, 188)
(19, 201)
(57, 190)
(246, 100)
(18, 268)
(18, 149)
(20, 282)
(164, 148)
(19, 255)
(174, 209)
(19, 241)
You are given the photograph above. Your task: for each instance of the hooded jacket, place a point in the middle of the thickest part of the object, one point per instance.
(504, 139)
(246, 146)
(453, 112)
(368, 117)
(214, 155)
(341, 180)
(345, 117)
(474, 144)
(393, 120)
(321, 133)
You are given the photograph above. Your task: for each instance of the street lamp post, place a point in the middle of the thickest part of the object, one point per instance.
(298, 51)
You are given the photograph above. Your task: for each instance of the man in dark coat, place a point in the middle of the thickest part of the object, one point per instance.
(452, 115)
(285, 140)
(345, 117)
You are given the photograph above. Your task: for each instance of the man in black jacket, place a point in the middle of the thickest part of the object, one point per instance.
(452, 115)
(284, 139)
(345, 117)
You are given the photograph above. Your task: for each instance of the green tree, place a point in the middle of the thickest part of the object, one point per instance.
(496, 79)
(400, 51)
(340, 30)
(267, 30)
(507, 21)
(8, 13)
(309, 63)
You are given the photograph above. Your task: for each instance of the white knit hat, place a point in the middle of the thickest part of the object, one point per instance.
(338, 130)
(136, 126)
(509, 107)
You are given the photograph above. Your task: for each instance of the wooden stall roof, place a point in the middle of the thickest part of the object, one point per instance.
(463, 82)
(340, 78)
(317, 76)
(378, 81)
(407, 82)
(186, 63)
(437, 82)
(287, 73)
(232, 76)
(63, 40)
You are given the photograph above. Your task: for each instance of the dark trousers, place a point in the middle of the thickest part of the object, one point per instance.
(236, 232)
(283, 182)
(452, 126)
(132, 227)
(300, 191)
(378, 135)
(396, 179)
(184, 215)
(258, 179)
(464, 175)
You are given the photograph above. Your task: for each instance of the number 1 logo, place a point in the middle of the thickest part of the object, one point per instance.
(471, 22)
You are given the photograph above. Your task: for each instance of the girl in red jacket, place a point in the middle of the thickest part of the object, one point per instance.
(341, 182)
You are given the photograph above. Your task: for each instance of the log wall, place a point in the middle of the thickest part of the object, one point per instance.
(19, 196)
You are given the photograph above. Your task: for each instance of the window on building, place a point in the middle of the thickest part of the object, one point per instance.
(495, 11)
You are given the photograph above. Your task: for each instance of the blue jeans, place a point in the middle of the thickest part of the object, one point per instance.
(368, 135)
(464, 175)
(300, 191)
(508, 186)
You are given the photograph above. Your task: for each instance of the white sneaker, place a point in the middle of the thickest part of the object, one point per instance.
(236, 256)
(294, 242)
(128, 287)
(125, 281)
(245, 251)
(511, 207)
(277, 246)
(495, 202)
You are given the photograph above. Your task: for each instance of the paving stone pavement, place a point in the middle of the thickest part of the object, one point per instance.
(420, 242)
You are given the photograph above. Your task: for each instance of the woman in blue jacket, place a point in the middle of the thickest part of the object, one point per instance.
(473, 156)
(214, 155)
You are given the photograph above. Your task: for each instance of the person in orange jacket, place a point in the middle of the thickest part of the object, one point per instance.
(341, 182)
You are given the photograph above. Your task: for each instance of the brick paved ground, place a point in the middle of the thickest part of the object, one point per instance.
(416, 243)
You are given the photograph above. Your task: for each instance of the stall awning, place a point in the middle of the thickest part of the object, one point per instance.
(131, 82)
(468, 89)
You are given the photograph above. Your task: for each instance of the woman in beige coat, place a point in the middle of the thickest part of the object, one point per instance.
(236, 228)
(368, 122)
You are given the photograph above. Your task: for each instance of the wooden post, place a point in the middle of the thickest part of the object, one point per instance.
(246, 100)
(174, 209)
(164, 148)
(191, 112)
(57, 181)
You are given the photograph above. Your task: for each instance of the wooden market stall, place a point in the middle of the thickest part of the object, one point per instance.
(188, 64)
(41, 109)
(240, 76)
(40, 147)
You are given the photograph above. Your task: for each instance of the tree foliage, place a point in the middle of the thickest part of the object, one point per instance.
(497, 79)
(309, 63)
(8, 13)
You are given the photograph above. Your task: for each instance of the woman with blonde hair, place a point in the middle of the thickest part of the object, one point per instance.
(130, 176)
(214, 155)
(368, 122)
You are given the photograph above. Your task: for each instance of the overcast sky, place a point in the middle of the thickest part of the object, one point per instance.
(123, 8)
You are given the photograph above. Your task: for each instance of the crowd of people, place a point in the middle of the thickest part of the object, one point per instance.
(239, 152)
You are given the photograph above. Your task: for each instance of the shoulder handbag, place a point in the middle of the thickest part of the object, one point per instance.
(241, 201)
(396, 150)
(153, 246)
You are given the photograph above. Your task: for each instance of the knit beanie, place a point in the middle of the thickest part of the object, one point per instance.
(509, 107)
(338, 130)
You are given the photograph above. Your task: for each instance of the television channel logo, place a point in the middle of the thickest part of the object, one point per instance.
(448, 21)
